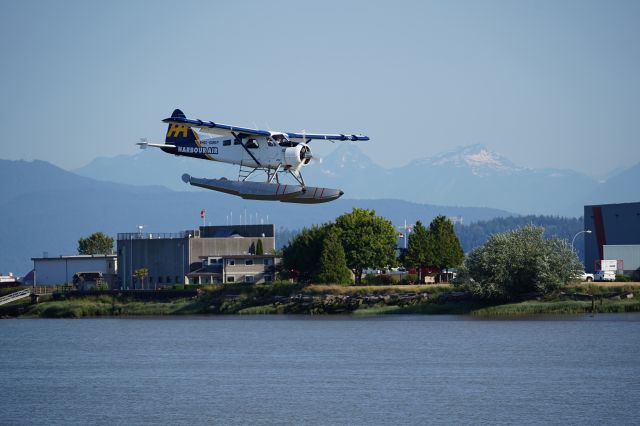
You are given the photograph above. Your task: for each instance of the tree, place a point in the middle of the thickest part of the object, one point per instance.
(444, 250)
(518, 262)
(259, 248)
(301, 254)
(369, 241)
(418, 248)
(141, 274)
(333, 263)
(96, 243)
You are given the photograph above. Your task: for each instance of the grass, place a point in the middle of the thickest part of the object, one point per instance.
(451, 308)
(97, 306)
(560, 307)
(345, 290)
(259, 310)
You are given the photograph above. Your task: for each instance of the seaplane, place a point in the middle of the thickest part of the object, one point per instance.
(265, 153)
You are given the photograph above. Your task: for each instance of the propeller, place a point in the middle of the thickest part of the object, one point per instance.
(306, 150)
(143, 143)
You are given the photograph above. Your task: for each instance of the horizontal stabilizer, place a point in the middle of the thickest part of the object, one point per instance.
(266, 191)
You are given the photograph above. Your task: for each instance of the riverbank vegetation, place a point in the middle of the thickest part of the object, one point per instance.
(295, 298)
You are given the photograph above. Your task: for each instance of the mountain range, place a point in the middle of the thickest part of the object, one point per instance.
(466, 176)
(47, 209)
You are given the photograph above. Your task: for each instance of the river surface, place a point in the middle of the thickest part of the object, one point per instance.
(326, 370)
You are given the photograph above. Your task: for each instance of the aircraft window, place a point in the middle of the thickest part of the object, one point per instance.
(236, 142)
(252, 143)
(226, 142)
(287, 143)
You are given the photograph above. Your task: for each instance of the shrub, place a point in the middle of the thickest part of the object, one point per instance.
(381, 279)
(518, 262)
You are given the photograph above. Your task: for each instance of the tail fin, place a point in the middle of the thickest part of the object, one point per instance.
(178, 134)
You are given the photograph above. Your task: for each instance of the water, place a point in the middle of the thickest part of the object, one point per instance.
(329, 370)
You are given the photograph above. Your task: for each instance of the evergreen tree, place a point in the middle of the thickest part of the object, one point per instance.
(259, 248)
(417, 251)
(369, 241)
(96, 243)
(333, 263)
(301, 254)
(445, 250)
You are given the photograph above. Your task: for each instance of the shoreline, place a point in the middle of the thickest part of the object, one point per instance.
(326, 300)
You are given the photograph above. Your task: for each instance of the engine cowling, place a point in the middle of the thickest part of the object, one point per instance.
(296, 156)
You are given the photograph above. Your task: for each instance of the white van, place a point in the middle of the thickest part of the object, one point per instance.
(604, 276)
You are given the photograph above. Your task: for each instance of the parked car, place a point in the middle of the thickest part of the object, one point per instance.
(604, 276)
(585, 277)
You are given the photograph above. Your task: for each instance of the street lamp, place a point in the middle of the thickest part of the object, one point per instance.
(586, 231)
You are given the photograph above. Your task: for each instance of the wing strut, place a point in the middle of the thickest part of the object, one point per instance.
(239, 139)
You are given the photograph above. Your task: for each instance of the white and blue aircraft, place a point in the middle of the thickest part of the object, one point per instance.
(256, 152)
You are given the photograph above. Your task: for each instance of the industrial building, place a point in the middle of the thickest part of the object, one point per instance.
(62, 269)
(615, 235)
(208, 255)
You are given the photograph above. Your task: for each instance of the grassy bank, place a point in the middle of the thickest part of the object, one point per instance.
(294, 298)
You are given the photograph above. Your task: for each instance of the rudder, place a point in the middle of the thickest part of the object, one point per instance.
(179, 134)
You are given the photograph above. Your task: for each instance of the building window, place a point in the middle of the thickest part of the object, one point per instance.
(248, 261)
(231, 279)
(231, 262)
(267, 278)
(248, 278)
(168, 279)
(160, 280)
(267, 262)
(177, 280)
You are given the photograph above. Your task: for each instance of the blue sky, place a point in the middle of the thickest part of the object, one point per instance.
(545, 83)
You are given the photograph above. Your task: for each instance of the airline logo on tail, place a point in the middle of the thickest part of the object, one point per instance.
(177, 129)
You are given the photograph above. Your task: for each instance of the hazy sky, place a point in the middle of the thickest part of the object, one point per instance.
(546, 83)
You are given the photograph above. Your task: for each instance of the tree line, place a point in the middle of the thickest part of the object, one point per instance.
(504, 267)
(476, 234)
(332, 252)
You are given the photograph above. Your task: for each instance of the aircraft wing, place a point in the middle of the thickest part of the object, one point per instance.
(216, 128)
(225, 129)
(301, 137)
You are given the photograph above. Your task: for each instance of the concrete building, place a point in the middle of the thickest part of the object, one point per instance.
(61, 269)
(197, 256)
(610, 225)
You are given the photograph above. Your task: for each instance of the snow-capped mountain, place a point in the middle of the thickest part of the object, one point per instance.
(477, 157)
(471, 175)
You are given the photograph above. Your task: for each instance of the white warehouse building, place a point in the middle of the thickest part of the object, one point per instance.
(61, 269)
(627, 255)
